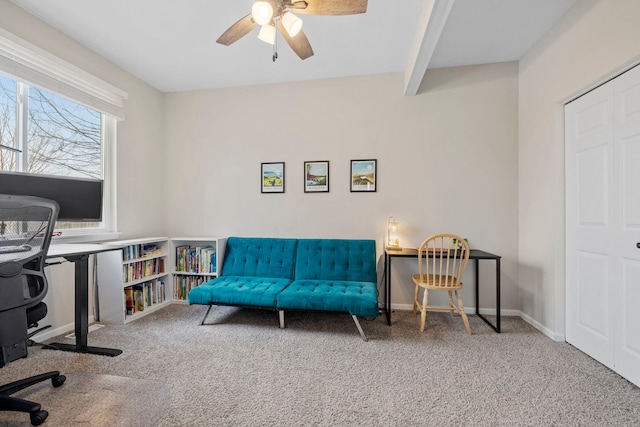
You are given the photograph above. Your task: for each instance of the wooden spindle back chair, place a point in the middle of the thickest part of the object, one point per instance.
(442, 260)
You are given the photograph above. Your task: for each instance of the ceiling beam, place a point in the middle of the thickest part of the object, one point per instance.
(430, 24)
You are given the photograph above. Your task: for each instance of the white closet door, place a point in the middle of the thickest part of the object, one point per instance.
(589, 175)
(627, 239)
(602, 155)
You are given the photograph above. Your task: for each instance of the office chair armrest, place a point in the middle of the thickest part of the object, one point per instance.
(11, 291)
(10, 269)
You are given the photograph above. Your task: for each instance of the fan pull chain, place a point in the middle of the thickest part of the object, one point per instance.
(275, 47)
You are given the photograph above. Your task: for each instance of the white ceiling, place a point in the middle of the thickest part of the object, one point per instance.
(170, 44)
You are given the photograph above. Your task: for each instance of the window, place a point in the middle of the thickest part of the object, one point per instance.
(57, 119)
(46, 134)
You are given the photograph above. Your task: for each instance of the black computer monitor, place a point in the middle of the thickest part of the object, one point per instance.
(80, 199)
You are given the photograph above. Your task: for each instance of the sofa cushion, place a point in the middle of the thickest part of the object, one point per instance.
(356, 298)
(259, 257)
(239, 290)
(336, 259)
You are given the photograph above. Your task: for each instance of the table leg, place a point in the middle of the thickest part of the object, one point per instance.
(477, 273)
(387, 293)
(81, 263)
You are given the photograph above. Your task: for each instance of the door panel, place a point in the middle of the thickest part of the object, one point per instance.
(592, 182)
(592, 298)
(602, 175)
(627, 161)
(589, 174)
(630, 186)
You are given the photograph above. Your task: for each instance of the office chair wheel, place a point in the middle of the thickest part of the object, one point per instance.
(58, 381)
(38, 417)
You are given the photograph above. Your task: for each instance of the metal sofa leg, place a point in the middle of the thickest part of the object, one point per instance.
(281, 315)
(355, 319)
(206, 314)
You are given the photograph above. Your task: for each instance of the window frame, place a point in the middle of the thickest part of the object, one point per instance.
(32, 66)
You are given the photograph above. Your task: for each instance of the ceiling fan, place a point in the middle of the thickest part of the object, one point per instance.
(271, 13)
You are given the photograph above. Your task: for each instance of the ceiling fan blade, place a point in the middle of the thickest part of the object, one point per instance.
(300, 44)
(237, 31)
(329, 7)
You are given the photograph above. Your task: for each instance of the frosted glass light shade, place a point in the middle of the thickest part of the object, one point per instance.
(262, 12)
(291, 23)
(393, 241)
(267, 34)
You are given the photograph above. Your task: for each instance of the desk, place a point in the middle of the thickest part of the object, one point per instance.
(474, 254)
(79, 255)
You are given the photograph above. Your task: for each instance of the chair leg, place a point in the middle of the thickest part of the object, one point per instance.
(462, 313)
(56, 379)
(451, 304)
(415, 299)
(281, 316)
(423, 311)
(11, 403)
(355, 319)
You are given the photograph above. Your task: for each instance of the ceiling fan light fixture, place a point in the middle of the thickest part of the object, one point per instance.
(291, 23)
(267, 34)
(262, 12)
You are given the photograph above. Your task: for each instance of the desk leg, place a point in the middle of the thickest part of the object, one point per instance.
(81, 263)
(387, 293)
(498, 295)
(497, 325)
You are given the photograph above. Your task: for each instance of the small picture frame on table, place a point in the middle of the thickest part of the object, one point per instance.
(364, 176)
(316, 177)
(272, 177)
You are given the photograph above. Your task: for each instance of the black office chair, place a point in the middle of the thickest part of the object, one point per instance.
(26, 224)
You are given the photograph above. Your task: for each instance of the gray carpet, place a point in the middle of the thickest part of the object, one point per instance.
(245, 371)
(96, 401)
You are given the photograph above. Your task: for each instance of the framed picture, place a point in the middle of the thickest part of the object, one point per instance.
(363, 175)
(316, 177)
(272, 177)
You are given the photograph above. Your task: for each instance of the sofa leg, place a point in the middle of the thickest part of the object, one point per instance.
(281, 315)
(206, 314)
(355, 319)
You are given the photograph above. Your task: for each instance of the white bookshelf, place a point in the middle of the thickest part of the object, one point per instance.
(192, 263)
(138, 270)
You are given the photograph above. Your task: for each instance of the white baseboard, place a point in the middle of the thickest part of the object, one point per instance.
(468, 310)
(492, 311)
(60, 330)
(70, 327)
(548, 332)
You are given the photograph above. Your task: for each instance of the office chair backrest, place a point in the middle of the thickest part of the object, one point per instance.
(26, 225)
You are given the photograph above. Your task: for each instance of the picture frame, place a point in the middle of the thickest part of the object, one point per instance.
(272, 178)
(364, 175)
(316, 176)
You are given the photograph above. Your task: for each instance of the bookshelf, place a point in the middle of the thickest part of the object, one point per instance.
(194, 260)
(133, 281)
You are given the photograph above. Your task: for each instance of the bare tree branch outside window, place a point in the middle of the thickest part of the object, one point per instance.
(64, 138)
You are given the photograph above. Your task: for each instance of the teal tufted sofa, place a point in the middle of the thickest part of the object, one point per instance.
(336, 275)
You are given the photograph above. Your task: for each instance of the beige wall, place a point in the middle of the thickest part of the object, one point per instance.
(596, 39)
(140, 154)
(447, 162)
(189, 163)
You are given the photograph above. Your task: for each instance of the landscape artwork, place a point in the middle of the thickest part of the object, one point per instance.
(273, 177)
(316, 177)
(363, 175)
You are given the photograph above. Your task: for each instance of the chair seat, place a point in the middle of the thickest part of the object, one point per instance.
(440, 283)
(36, 313)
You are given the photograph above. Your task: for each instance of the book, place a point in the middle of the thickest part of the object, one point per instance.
(128, 298)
